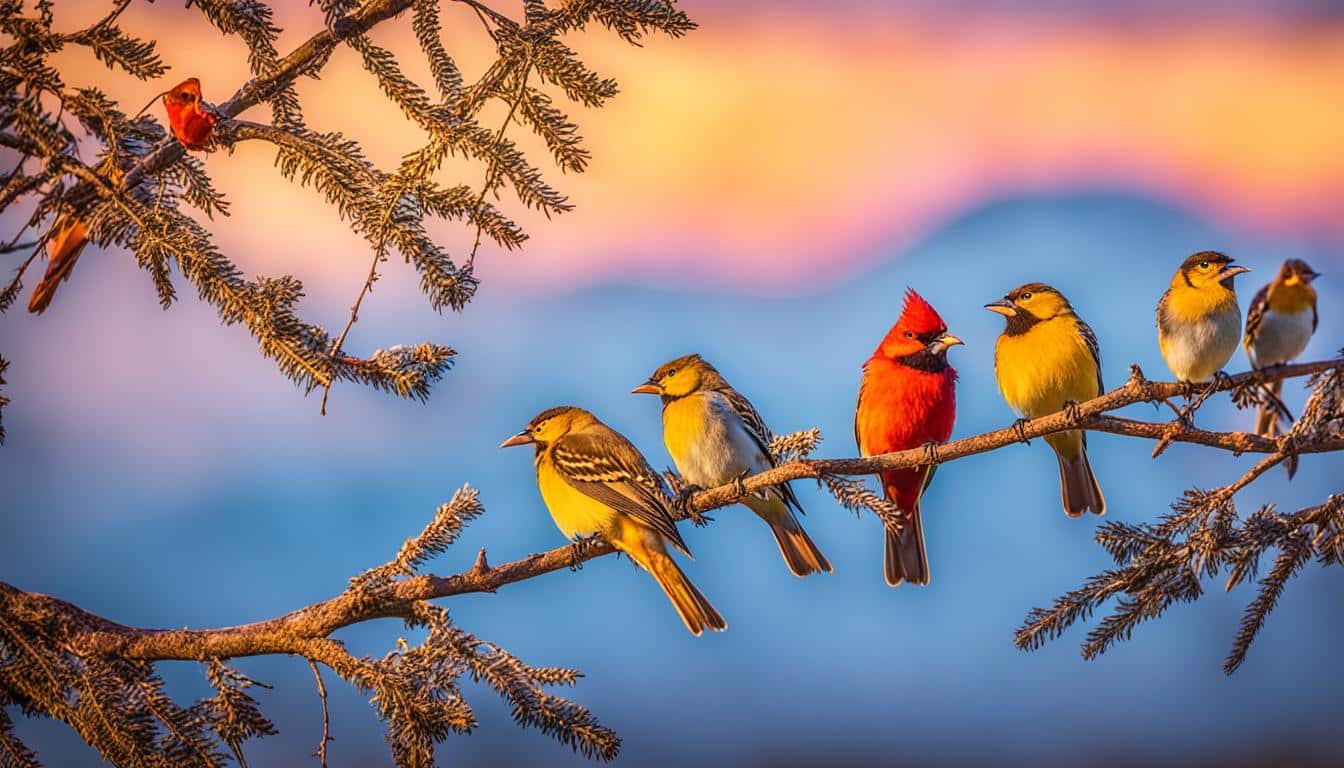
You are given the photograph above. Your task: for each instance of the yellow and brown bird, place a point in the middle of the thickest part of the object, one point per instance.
(1198, 320)
(1279, 323)
(594, 481)
(715, 436)
(1046, 359)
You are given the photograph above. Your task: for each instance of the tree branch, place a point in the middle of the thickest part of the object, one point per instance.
(295, 632)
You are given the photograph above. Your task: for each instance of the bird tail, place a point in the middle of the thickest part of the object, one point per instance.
(1266, 415)
(1078, 485)
(694, 609)
(68, 238)
(906, 559)
(800, 553)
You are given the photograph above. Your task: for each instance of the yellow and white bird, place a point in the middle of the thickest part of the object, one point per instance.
(1279, 323)
(594, 481)
(1047, 358)
(715, 436)
(1198, 319)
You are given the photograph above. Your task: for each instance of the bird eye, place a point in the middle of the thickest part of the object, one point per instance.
(909, 335)
(670, 373)
(1203, 265)
(1026, 296)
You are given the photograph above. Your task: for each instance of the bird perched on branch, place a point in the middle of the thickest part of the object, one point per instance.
(1198, 320)
(907, 398)
(715, 436)
(595, 482)
(190, 122)
(1279, 323)
(1047, 360)
(67, 237)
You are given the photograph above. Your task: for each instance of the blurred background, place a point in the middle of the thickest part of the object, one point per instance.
(761, 192)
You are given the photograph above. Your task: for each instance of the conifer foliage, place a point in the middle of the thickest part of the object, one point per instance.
(134, 191)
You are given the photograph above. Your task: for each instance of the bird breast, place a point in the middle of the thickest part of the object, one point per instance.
(1040, 370)
(1282, 337)
(1196, 349)
(574, 512)
(707, 440)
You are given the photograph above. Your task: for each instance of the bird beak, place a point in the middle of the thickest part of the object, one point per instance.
(522, 438)
(1230, 271)
(941, 343)
(647, 388)
(1310, 276)
(1003, 307)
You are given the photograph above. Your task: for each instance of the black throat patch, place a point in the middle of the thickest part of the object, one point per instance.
(926, 361)
(1020, 323)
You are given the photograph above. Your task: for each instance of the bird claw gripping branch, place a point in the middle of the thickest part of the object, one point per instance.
(685, 502)
(1020, 427)
(1071, 411)
(578, 550)
(931, 454)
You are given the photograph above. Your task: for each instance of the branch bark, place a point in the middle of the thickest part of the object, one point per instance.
(305, 631)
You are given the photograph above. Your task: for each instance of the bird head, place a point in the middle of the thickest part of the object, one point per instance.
(681, 377)
(918, 331)
(551, 425)
(185, 97)
(1297, 272)
(1207, 269)
(1028, 305)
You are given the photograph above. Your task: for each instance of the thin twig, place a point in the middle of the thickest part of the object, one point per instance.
(492, 169)
(321, 753)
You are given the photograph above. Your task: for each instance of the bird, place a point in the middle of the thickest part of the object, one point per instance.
(715, 435)
(907, 398)
(68, 236)
(1047, 360)
(65, 243)
(1198, 319)
(595, 482)
(1279, 323)
(190, 123)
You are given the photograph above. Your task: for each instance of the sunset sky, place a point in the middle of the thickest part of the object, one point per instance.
(761, 191)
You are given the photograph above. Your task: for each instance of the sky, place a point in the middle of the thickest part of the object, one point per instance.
(762, 191)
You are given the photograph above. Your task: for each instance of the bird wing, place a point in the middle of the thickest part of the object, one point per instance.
(1090, 339)
(1255, 314)
(761, 434)
(600, 463)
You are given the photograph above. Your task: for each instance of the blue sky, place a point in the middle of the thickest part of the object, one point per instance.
(173, 496)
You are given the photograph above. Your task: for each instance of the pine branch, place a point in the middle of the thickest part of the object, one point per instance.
(1163, 563)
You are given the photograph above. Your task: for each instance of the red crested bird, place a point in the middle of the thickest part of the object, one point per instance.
(907, 399)
(191, 123)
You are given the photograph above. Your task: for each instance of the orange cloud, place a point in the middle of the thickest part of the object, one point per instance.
(773, 149)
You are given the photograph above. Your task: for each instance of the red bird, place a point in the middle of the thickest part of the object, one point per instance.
(907, 399)
(190, 123)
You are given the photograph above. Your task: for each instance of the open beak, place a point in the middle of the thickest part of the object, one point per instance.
(522, 438)
(1231, 271)
(647, 388)
(941, 343)
(1003, 307)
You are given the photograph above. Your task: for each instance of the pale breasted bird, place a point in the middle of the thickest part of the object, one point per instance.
(1198, 319)
(716, 436)
(1279, 323)
(594, 481)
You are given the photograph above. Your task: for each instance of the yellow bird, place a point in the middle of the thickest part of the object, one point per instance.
(1046, 359)
(715, 436)
(594, 481)
(1198, 320)
(1279, 323)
